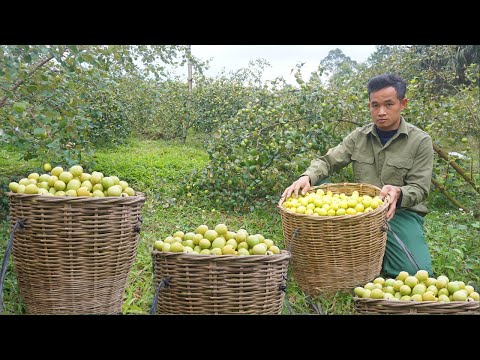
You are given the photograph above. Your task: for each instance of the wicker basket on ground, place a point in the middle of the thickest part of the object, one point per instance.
(226, 284)
(381, 306)
(332, 253)
(74, 254)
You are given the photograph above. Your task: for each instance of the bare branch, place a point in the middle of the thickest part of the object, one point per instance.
(19, 82)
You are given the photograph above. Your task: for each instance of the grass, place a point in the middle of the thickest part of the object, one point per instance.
(155, 167)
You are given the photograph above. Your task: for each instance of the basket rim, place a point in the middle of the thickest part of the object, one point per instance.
(413, 303)
(284, 254)
(341, 217)
(108, 199)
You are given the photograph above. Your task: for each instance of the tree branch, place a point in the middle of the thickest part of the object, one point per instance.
(457, 167)
(444, 192)
(19, 82)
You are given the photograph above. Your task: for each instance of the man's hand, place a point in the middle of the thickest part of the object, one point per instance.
(393, 193)
(302, 184)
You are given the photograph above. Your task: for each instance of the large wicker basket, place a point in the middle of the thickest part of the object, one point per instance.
(226, 284)
(74, 254)
(381, 306)
(336, 252)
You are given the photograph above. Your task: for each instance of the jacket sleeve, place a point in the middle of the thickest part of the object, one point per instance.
(335, 159)
(419, 177)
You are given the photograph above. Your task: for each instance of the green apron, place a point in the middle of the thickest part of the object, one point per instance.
(408, 226)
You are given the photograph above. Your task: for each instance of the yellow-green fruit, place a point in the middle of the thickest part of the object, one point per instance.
(233, 243)
(96, 178)
(228, 250)
(376, 294)
(196, 238)
(74, 184)
(71, 192)
(218, 242)
(13, 186)
(359, 291)
(44, 178)
(47, 167)
(176, 247)
(123, 184)
(274, 249)
(221, 229)
(97, 187)
(201, 229)
(85, 177)
(243, 252)
(204, 243)
(210, 235)
(268, 242)
(65, 177)
(460, 295)
(475, 295)
(115, 190)
(76, 170)
(83, 191)
(129, 191)
(98, 193)
(216, 251)
(56, 171)
(107, 182)
(31, 189)
(51, 180)
(259, 249)
(87, 184)
(59, 185)
(422, 275)
(158, 245)
(180, 234)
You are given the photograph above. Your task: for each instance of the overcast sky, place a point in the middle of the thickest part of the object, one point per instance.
(282, 58)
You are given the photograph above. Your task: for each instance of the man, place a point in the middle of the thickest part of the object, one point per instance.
(395, 156)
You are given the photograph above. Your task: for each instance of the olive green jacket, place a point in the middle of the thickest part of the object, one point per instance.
(406, 160)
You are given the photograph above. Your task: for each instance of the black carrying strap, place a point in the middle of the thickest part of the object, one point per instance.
(165, 282)
(405, 249)
(20, 223)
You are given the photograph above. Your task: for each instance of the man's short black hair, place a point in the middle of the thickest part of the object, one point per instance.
(386, 80)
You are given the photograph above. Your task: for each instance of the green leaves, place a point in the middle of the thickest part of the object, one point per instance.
(19, 107)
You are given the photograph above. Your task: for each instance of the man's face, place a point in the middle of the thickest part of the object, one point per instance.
(385, 108)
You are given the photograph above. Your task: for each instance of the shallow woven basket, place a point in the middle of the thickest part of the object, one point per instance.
(227, 284)
(381, 306)
(332, 253)
(75, 253)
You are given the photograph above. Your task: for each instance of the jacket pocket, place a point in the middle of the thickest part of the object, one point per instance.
(363, 167)
(395, 171)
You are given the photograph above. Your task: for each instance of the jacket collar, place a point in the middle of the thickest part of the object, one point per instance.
(402, 129)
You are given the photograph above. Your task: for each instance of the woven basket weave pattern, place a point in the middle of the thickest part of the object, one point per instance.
(227, 284)
(75, 253)
(336, 252)
(380, 306)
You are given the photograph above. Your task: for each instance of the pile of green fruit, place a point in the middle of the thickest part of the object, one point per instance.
(72, 182)
(320, 203)
(217, 241)
(418, 287)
